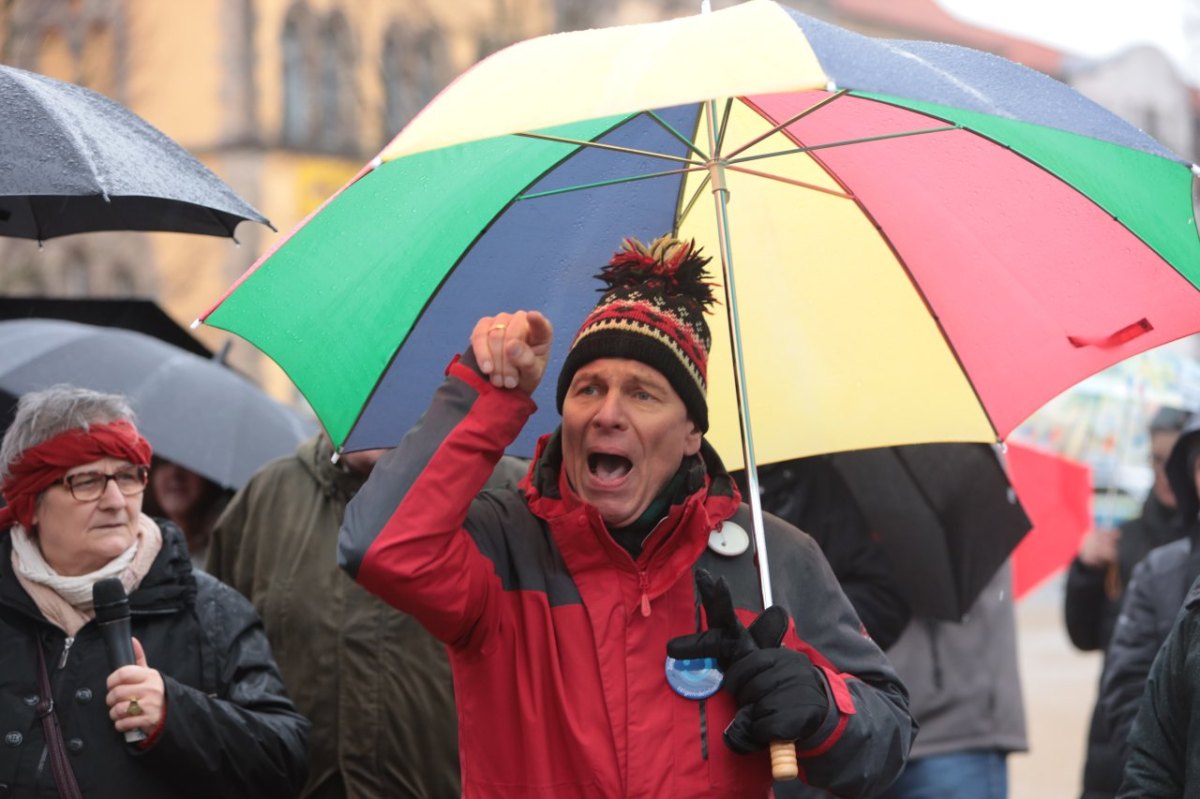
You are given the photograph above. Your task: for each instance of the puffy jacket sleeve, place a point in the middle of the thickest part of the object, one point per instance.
(1158, 747)
(1136, 639)
(247, 740)
(404, 535)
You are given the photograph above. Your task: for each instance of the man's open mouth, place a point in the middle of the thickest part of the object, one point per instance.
(607, 466)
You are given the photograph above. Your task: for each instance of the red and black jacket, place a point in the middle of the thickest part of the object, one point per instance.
(558, 636)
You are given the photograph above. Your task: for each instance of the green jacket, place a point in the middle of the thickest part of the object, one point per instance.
(374, 684)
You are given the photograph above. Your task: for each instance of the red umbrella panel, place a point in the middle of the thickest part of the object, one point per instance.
(1056, 492)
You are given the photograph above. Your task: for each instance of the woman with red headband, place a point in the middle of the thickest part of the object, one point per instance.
(204, 694)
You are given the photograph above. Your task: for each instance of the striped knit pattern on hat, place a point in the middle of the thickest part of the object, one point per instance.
(652, 311)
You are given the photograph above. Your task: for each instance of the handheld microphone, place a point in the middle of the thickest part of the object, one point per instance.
(112, 614)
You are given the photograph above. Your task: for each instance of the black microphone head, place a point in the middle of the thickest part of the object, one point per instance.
(109, 600)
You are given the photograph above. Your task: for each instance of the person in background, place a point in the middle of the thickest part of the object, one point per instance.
(204, 689)
(374, 683)
(624, 546)
(809, 494)
(1157, 590)
(964, 686)
(1164, 741)
(1096, 585)
(191, 501)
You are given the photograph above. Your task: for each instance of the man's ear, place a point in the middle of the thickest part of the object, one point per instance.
(692, 439)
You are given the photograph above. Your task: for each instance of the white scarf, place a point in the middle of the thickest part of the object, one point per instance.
(49, 589)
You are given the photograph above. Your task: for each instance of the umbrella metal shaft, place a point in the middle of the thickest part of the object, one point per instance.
(720, 192)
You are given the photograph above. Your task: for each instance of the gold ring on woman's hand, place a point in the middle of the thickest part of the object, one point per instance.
(498, 326)
(134, 708)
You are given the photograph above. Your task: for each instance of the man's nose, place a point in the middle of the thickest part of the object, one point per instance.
(611, 412)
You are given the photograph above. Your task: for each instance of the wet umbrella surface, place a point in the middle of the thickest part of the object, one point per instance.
(73, 161)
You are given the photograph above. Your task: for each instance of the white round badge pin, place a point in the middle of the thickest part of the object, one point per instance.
(729, 540)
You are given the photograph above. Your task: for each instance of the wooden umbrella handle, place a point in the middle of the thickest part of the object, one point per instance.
(783, 761)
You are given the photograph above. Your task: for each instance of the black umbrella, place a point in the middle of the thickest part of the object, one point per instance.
(194, 411)
(945, 514)
(73, 161)
(144, 316)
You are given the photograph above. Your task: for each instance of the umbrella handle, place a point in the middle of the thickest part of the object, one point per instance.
(783, 761)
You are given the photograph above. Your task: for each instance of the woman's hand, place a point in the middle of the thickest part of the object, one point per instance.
(136, 696)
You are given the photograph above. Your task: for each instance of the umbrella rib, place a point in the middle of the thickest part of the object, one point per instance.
(684, 140)
(843, 143)
(794, 118)
(230, 230)
(613, 182)
(687, 208)
(802, 184)
(609, 147)
(724, 126)
(83, 148)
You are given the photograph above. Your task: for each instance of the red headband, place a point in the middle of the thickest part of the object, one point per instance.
(42, 466)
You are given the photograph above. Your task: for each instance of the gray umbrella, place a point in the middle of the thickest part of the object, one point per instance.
(73, 161)
(193, 411)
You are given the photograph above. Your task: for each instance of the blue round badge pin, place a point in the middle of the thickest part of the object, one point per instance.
(694, 678)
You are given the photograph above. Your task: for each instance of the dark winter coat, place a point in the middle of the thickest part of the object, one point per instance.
(1152, 600)
(809, 494)
(1156, 593)
(1164, 743)
(558, 636)
(1089, 612)
(230, 729)
(374, 683)
(1091, 616)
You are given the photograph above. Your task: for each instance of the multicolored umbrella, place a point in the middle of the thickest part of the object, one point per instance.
(929, 242)
(926, 242)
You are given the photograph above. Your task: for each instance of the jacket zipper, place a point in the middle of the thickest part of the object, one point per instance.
(644, 585)
(62, 659)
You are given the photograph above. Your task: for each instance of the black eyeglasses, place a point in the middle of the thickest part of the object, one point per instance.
(90, 486)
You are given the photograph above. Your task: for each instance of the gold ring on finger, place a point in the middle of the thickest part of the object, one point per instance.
(134, 708)
(498, 326)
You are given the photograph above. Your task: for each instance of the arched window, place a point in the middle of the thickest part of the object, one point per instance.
(298, 95)
(416, 66)
(338, 125)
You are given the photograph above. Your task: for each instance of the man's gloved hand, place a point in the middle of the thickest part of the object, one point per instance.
(779, 693)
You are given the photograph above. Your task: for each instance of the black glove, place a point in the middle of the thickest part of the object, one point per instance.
(779, 693)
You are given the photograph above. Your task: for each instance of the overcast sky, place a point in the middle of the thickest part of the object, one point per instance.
(1094, 28)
